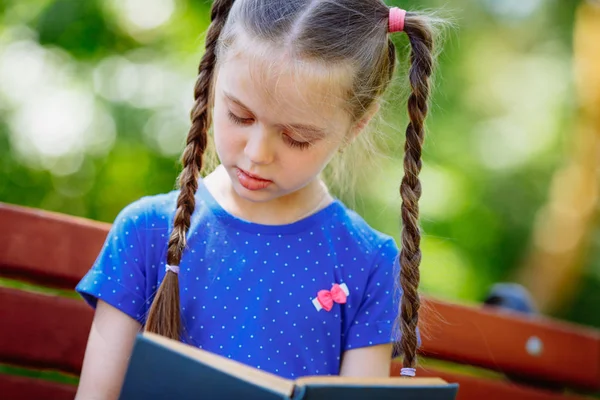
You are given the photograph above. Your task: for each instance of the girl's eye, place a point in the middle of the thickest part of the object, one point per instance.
(247, 121)
(238, 120)
(296, 144)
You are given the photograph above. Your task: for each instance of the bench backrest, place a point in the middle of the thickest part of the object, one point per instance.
(49, 330)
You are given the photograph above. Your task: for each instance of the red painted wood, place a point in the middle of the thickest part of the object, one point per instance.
(55, 249)
(497, 340)
(47, 248)
(41, 331)
(23, 388)
(473, 388)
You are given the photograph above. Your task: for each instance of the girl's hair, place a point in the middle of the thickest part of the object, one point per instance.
(350, 33)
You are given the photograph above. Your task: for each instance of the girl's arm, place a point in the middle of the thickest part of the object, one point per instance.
(107, 353)
(373, 361)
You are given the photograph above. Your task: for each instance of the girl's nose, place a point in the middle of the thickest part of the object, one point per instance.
(259, 147)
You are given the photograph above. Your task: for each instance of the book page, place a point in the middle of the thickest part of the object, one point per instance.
(231, 367)
(359, 381)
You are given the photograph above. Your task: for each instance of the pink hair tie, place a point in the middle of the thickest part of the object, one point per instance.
(396, 23)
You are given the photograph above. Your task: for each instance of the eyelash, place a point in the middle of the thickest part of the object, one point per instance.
(291, 142)
(294, 143)
(237, 120)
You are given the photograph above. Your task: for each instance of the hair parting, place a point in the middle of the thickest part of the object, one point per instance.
(164, 317)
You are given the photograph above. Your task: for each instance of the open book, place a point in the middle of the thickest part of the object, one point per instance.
(161, 368)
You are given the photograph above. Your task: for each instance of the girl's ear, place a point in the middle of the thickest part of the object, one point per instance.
(364, 121)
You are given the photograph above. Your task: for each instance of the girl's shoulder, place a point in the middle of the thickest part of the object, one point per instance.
(158, 207)
(153, 212)
(357, 230)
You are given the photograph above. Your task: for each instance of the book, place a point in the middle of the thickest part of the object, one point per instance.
(161, 368)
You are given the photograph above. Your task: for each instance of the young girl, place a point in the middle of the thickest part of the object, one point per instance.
(257, 261)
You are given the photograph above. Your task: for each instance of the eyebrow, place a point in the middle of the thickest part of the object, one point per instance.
(236, 101)
(304, 128)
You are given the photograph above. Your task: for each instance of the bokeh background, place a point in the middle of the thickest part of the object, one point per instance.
(94, 109)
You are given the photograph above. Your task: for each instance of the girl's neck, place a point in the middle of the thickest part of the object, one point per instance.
(280, 211)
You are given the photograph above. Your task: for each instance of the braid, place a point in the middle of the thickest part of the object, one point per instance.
(164, 316)
(421, 57)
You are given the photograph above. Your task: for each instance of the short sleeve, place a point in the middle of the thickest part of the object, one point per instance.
(118, 275)
(373, 323)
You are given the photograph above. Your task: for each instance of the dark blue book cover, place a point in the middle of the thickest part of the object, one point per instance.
(161, 368)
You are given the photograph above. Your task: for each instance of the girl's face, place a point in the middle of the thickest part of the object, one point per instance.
(276, 127)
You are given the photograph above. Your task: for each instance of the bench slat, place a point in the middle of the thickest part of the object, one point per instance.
(474, 388)
(57, 249)
(43, 331)
(498, 341)
(47, 248)
(23, 388)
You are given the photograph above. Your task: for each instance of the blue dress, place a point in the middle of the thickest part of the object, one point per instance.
(288, 299)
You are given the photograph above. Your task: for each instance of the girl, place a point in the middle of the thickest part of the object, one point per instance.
(257, 261)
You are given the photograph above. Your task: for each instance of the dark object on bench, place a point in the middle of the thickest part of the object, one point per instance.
(511, 296)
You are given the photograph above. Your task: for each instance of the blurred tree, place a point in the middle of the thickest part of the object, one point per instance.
(79, 27)
(565, 225)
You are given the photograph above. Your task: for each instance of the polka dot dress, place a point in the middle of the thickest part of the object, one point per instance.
(288, 299)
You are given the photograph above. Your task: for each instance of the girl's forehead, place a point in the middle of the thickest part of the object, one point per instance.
(277, 82)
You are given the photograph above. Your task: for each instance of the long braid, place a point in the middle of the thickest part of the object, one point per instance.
(164, 317)
(421, 57)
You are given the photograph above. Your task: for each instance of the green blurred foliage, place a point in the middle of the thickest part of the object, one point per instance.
(112, 81)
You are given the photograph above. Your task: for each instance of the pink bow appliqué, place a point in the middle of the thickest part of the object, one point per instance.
(326, 298)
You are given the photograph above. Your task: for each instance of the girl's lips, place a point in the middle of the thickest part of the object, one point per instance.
(251, 182)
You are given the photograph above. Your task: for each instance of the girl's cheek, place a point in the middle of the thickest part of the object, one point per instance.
(232, 139)
(234, 135)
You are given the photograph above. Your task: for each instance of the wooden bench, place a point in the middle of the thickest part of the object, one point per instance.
(478, 348)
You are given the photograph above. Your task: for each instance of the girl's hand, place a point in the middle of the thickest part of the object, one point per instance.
(374, 361)
(107, 353)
